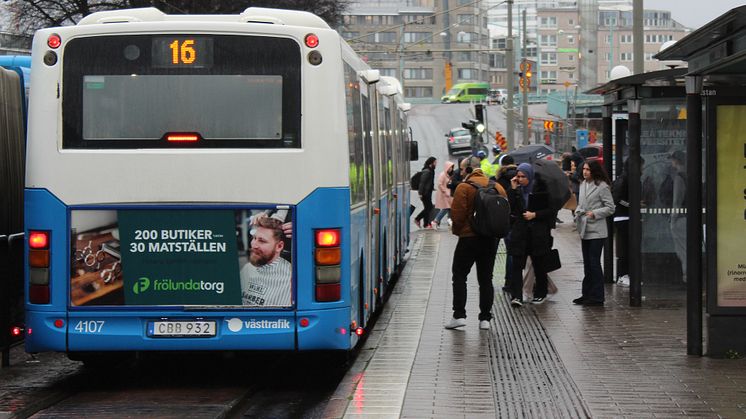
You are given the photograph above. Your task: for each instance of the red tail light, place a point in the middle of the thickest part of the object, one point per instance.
(328, 237)
(451, 139)
(38, 294)
(359, 331)
(16, 331)
(328, 292)
(38, 239)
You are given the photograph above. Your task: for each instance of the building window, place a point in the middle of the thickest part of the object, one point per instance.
(609, 39)
(571, 22)
(423, 91)
(548, 76)
(570, 39)
(382, 37)
(466, 19)
(422, 37)
(418, 73)
(390, 72)
(608, 56)
(549, 58)
(464, 56)
(626, 56)
(548, 40)
(501, 43)
(466, 37)
(467, 74)
(548, 22)
(570, 57)
(649, 56)
(625, 38)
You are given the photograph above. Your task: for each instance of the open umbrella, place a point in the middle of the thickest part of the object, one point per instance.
(531, 153)
(558, 186)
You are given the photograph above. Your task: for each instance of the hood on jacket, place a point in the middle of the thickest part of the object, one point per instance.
(507, 171)
(447, 166)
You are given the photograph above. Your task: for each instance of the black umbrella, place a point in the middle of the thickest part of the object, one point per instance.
(531, 153)
(558, 186)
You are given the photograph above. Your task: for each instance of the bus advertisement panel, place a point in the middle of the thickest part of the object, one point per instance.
(136, 257)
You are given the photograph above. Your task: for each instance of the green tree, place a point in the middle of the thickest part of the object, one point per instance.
(29, 15)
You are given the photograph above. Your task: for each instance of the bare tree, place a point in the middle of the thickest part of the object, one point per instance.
(29, 15)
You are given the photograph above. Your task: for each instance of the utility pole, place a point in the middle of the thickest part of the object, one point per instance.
(638, 59)
(527, 85)
(509, 136)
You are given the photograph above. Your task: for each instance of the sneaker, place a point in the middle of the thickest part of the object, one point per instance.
(434, 225)
(578, 300)
(623, 281)
(454, 323)
(516, 302)
(450, 223)
(538, 300)
(484, 325)
(418, 223)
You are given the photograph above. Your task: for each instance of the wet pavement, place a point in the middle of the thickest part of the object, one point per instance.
(552, 360)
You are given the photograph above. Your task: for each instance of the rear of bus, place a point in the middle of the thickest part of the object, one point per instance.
(175, 197)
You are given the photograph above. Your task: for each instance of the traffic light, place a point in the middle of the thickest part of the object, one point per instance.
(525, 75)
(474, 126)
(479, 112)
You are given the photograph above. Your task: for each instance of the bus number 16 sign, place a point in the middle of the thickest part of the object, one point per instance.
(186, 52)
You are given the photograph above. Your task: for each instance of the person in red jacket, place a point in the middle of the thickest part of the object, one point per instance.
(470, 249)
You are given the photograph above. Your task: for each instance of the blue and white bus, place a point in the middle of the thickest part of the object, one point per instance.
(212, 182)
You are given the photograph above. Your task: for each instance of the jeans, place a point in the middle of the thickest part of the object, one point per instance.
(593, 282)
(442, 213)
(426, 212)
(470, 250)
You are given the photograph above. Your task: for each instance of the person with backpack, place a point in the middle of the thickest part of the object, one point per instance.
(530, 233)
(472, 247)
(425, 190)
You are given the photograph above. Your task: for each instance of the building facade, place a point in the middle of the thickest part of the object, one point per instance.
(429, 45)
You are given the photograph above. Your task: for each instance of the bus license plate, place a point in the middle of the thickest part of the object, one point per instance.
(192, 328)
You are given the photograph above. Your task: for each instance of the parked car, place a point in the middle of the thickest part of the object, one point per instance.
(593, 152)
(459, 140)
(497, 96)
(532, 152)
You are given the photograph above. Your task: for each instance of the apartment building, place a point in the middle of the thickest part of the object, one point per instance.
(428, 44)
(563, 58)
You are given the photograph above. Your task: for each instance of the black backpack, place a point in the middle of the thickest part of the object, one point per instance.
(491, 216)
(414, 183)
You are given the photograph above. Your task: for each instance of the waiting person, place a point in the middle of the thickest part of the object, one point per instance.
(678, 218)
(507, 172)
(458, 175)
(488, 169)
(470, 249)
(427, 185)
(620, 192)
(266, 279)
(530, 233)
(443, 196)
(595, 203)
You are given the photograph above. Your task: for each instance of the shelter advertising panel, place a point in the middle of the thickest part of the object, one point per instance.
(731, 206)
(143, 257)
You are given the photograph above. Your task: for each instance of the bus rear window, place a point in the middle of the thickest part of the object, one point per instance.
(125, 92)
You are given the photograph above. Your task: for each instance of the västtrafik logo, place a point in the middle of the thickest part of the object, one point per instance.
(141, 285)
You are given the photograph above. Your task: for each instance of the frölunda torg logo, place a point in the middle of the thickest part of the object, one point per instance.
(141, 285)
(169, 285)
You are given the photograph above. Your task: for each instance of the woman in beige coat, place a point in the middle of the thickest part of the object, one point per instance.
(595, 203)
(443, 198)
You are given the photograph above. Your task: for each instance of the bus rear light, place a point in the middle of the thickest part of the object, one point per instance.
(328, 274)
(59, 323)
(38, 276)
(16, 331)
(328, 292)
(38, 239)
(312, 41)
(328, 237)
(54, 41)
(342, 331)
(38, 294)
(329, 256)
(38, 258)
(182, 138)
(359, 331)
(304, 322)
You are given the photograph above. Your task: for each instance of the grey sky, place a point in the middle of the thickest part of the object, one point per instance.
(694, 13)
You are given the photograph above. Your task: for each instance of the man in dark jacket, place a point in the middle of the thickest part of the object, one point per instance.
(427, 185)
(471, 249)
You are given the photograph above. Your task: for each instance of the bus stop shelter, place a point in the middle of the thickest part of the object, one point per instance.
(644, 139)
(716, 141)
